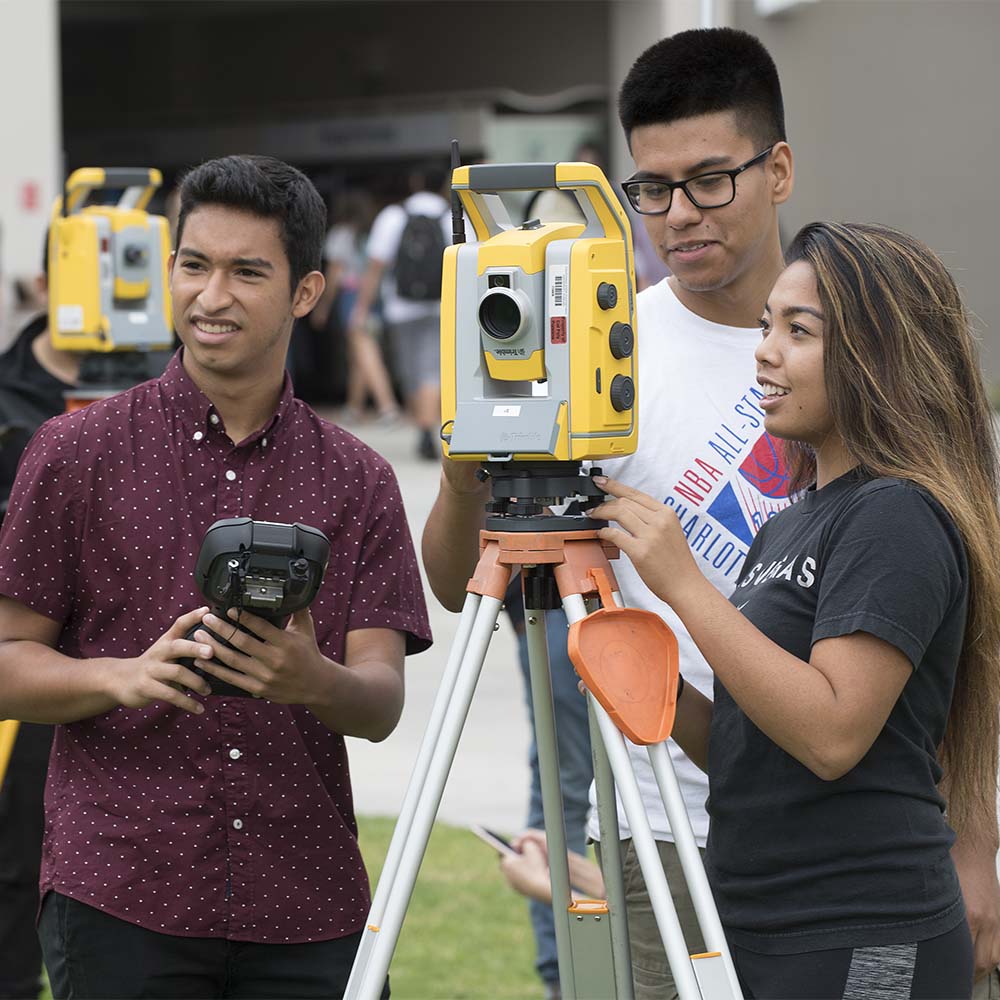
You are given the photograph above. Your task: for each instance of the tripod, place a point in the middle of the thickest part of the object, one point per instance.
(627, 660)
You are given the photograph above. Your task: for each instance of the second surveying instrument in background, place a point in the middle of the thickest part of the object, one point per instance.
(107, 278)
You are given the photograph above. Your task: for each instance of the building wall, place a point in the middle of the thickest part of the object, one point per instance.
(891, 107)
(31, 144)
(172, 64)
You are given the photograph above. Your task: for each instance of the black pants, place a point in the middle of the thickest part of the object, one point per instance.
(22, 822)
(937, 969)
(90, 954)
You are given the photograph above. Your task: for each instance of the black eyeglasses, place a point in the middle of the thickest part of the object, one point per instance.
(653, 195)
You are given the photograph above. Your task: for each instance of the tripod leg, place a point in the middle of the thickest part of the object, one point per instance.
(548, 764)
(607, 815)
(694, 870)
(415, 786)
(611, 860)
(649, 858)
(642, 836)
(423, 797)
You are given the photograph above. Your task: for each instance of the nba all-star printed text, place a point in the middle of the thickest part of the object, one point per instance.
(731, 509)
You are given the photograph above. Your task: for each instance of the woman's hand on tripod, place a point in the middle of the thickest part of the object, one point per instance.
(650, 534)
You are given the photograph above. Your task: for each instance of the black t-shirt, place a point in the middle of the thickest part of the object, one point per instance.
(798, 863)
(29, 395)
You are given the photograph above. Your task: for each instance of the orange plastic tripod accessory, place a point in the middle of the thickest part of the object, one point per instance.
(570, 553)
(628, 659)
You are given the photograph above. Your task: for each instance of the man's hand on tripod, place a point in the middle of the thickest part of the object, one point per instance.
(461, 479)
(450, 542)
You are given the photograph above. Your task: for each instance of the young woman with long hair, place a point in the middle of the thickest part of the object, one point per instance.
(859, 651)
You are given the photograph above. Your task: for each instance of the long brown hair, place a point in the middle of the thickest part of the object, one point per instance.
(901, 367)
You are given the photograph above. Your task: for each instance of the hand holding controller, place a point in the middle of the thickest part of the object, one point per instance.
(269, 569)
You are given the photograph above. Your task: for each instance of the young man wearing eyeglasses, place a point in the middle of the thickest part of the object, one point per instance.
(703, 115)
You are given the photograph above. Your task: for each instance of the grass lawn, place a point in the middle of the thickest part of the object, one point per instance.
(466, 935)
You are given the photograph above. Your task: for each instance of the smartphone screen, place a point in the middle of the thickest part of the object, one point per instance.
(495, 840)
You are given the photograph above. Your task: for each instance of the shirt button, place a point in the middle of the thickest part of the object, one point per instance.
(198, 435)
(234, 754)
(263, 442)
(230, 475)
(237, 824)
(214, 417)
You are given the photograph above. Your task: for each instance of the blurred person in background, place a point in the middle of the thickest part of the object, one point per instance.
(527, 871)
(34, 378)
(346, 262)
(552, 205)
(405, 250)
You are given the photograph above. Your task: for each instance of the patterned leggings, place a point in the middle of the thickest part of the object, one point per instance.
(937, 969)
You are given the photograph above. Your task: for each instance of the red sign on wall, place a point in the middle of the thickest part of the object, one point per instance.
(30, 196)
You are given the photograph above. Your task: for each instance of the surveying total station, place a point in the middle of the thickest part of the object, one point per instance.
(108, 296)
(538, 375)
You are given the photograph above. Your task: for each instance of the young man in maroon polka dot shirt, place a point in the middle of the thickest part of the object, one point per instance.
(200, 845)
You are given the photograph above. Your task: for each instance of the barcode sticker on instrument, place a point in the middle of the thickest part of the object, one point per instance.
(558, 282)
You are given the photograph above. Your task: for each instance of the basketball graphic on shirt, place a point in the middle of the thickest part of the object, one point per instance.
(765, 468)
(757, 493)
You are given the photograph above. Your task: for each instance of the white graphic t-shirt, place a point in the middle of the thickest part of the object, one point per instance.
(704, 452)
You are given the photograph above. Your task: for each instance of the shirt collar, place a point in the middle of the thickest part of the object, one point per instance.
(197, 412)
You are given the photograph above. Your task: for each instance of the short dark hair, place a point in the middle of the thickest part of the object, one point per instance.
(704, 71)
(270, 189)
(432, 174)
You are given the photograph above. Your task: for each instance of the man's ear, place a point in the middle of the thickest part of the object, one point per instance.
(782, 172)
(307, 294)
(171, 260)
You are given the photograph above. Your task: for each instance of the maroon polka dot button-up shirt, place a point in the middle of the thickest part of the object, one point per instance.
(238, 823)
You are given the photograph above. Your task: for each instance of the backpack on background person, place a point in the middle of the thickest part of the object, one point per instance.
(418, 265)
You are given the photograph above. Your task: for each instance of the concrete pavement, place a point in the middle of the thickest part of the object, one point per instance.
(488, 783)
